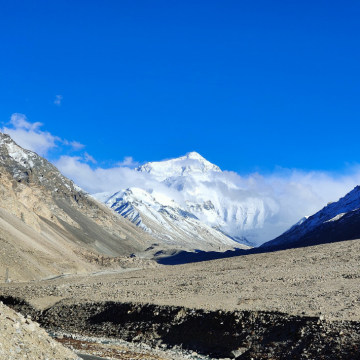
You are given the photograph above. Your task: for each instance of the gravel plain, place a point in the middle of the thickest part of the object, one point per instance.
(303, 303)
(323, 279)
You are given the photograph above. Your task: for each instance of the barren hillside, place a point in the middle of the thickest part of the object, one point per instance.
(48, 225)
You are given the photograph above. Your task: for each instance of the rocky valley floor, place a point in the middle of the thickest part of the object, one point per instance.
(272, 305)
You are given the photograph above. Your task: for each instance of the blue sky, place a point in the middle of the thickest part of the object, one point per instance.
(251, 85)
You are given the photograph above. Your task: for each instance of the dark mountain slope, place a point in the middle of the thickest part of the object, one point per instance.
(337, 221)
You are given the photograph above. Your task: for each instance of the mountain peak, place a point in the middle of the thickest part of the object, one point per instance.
(190, 164)
(195, 155)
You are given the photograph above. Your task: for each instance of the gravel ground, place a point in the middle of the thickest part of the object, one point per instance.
(316, 280)
(322, 282)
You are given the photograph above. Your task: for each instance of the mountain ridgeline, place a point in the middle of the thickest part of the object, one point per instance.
(168, 222)
(337, 221)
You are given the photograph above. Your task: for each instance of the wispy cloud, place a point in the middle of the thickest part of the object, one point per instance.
(58, 100)
(88, 158)
(20, 121)
(98, 179)
(128, 161)
(75, 145)
(30, 136)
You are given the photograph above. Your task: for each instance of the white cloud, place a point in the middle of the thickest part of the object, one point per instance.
(75, 145)
(89, 158)
(286, 195)
(96, 180)
(29, 136)
(58, 100)
(20, 121)
(129, 162)
(297, 193)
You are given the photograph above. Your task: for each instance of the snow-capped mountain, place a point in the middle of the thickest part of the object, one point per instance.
(193, 186)
(192, 164)
(335, 222)
(167, 222)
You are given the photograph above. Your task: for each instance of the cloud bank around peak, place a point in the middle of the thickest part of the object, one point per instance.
(95, 179)
(292, 193)
(287, 194)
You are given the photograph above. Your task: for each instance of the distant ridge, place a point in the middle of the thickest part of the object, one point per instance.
(337, 221)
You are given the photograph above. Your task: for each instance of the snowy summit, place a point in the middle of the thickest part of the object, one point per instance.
(190, 164)
(190, 189)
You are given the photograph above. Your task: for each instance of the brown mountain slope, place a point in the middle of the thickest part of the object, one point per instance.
(46, 221)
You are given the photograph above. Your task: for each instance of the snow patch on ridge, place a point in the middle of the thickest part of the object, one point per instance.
(337, 217)
(21, 156)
